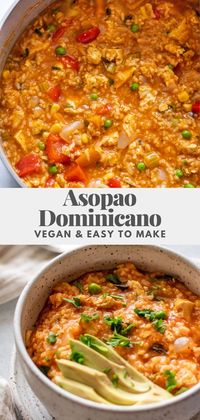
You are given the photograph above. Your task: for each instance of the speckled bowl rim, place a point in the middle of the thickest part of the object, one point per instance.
(67, 395)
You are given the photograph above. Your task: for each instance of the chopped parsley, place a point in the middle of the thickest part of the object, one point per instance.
(150, 314)
(114, 279)
(77, 357)
(107, 370)
(75, 301)
(171, 382)
(117, 325)
(78, 284)
(90, 342)
(119, 340)
(181, 390)
(115, 380)
(155, 317)
(159, 326)
(88, 318)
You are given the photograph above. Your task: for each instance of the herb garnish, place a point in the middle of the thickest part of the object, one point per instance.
(159, 326)
(181, 390)
(114, 279)
(75, 301)
(155, 317)
(119, 340)
(52, 338)
(77, 357)
(171, 382)
(118, 326)
(115, 380)
(88, 318)
(90, 342)
(78, 284)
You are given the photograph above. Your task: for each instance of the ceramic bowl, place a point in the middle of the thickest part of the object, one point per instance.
(71, 265)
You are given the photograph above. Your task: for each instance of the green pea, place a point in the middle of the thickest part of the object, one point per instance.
(94, 289)
(53, 169)
(51, 27)
(141, 166)
(186, 134)
(60, 50)
(135, 28)
(52, 338)
(108, 123)
(189, 186)
(134, 86)
(94, 96)
(41, 145)
(179, 173)
(170, 66)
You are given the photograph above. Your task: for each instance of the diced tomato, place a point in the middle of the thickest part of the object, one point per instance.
(29, 164)
(50, 182)
(75, 174)
(103, 110)
(157, 14)
(54, 93)
(61, 30)
(196, 107)
(88, 36)
(114, 183)
(54, 149)
(70, 61)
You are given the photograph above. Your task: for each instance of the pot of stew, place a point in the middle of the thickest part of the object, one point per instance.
(102, 93)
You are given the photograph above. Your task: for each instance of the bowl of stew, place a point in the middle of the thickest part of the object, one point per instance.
(141, 301)
(101, 94)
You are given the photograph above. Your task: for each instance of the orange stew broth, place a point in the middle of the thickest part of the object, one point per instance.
(105, 94)
(169, 341)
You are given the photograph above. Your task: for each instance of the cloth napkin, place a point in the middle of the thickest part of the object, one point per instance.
(19, 264)
(6, 402)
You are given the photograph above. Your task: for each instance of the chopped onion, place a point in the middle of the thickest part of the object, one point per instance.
(162, 174)
(70, 128)
(181, 343)
(123, 140)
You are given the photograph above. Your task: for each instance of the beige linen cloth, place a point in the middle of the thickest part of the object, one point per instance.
(19, 264)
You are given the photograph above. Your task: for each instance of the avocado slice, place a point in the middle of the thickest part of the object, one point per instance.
(112, 355)
(99, 346)
(95, 360)
(79, 389)
(97, 380)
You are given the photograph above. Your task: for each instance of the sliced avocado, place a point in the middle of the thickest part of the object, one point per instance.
(157, 393)
(112, 355)
(79, 389)
(101, 384)
(97, 380)
(97, 361)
